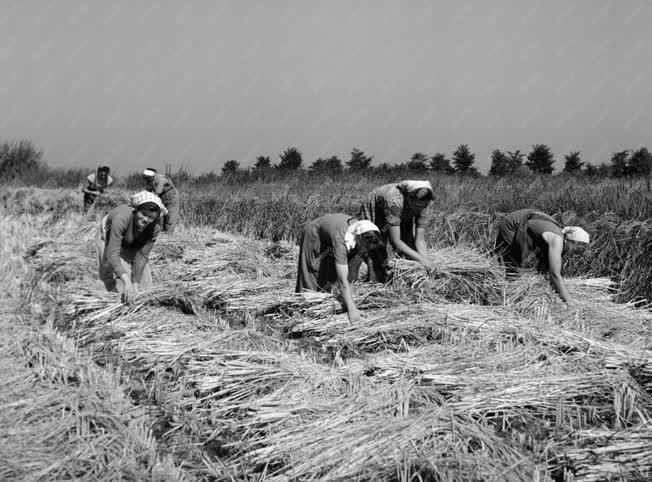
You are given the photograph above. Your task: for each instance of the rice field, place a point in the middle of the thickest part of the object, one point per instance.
(221, 372)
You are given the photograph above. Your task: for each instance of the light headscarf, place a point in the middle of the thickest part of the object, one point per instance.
(410, 186)
(359, 227)
(143, 197)
(577, 234)
(148, 173)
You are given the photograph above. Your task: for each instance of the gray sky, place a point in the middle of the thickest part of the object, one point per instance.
(196, 83)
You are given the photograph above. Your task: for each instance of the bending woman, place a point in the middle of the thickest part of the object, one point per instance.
(162, 186)
(331, 250)
(528, 230)
(125, 238)
(398, 210)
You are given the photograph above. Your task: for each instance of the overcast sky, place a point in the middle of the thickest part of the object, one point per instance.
(196, 83)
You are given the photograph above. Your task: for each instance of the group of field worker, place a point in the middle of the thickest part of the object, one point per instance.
(391, 222)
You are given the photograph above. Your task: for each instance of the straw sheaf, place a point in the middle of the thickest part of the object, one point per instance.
(460, 275)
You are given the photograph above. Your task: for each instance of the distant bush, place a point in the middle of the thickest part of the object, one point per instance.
(20, 160)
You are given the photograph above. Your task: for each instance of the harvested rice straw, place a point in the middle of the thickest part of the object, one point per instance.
(610, 455)
(59, 261)
(65, 418)
(538, 394)
(234, 254)
(92, 307)
(238, 374)
(224, 291)
(421, 323)
(153, 325)
(99, 307)
(596, 313)
(423, 363)
(534, 390)
(186, 343)
(282, 301)
(365, 446)
(457, 281)
(277, 306)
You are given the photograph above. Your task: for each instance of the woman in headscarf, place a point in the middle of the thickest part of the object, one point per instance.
(398, 210)
(527, 230)
(331, 250)
(162, 186)
(125, 238)
(95, 184)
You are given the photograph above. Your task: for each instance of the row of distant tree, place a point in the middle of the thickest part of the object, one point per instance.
(540, 160)
(21, 159)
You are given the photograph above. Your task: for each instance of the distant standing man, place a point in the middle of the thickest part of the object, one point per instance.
(164, 189)
(94, 185)
(398, 211)
(527, 230)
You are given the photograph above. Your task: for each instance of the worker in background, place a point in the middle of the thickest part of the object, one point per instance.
(398, 210)
(125, 238)
(94, 185)
(332, 248)
(162, 186)
(525, 231)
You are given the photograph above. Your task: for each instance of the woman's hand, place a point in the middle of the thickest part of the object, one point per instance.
(129, 293)
(429, 264)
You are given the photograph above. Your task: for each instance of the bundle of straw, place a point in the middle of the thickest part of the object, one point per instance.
(88, 308)
(461, 275)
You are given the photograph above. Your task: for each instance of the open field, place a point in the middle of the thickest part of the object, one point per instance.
(220, 372)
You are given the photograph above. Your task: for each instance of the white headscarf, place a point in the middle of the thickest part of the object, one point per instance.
(411, 186)
(143, 197)
(359, 227)
(577, 234)
(148, 173)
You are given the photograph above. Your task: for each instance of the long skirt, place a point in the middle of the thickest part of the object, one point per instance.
(106, 272)
(316, 270)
